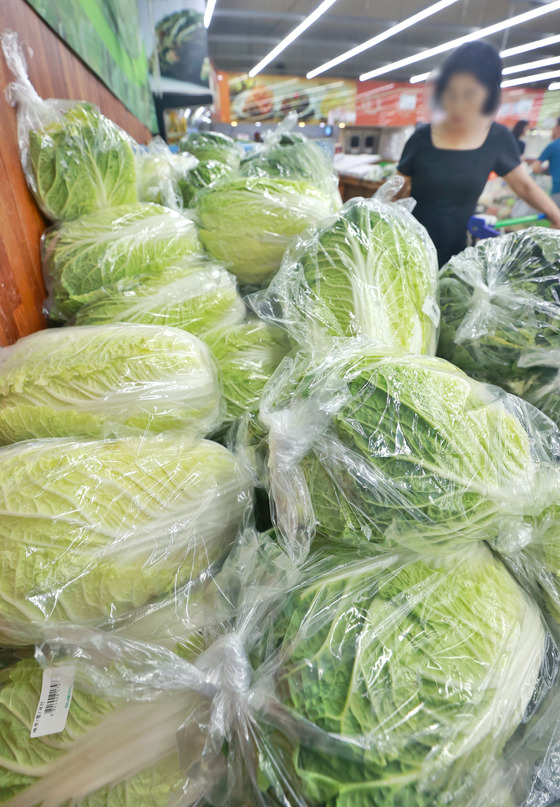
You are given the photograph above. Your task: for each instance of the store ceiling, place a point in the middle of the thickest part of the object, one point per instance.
(243, 31)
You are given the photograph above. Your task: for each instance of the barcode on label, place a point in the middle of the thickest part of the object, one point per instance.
(54, 702)
(52, 699)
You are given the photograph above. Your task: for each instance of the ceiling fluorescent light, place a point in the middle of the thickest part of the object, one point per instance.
(420, 77)
(519, 19)
(303, 26)
(516, 82)
(395, 29)
(537, 43)
(210, 6)
(548, 41)
(520, 68)
(554, 86)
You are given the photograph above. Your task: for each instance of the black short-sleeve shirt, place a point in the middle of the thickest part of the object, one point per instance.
(447, 183)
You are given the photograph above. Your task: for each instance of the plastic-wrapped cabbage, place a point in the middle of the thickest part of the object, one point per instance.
(372, 270)
(91, 530)
(533, 554)
(110, 251)
(368, 681)
(104, 756)
(107, 380)
(75, 160)
(212, 146)
(205, 175)
(247, 223)
(501, 314)
(197, 296)
(120, 742)
(294, 156)
(368, 446)
(161, 173)
(412, 677)
(246, 355)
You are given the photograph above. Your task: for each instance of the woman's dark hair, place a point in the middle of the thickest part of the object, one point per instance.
(483, 62)
(517, 130)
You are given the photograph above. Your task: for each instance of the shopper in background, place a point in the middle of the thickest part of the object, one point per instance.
(518, 132)
(447, 163)
(551, 155)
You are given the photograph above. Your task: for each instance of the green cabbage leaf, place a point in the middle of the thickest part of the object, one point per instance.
(416, 676)
(372, 270)
(160, 174)
(212, 146)
(107, 380)
(105, 757)
(91, 530)
(195, 295)
(110, 251)
(293, 156)
(205, 175)
(247, 355)
(501, 314)
(81, 163)
(247, 223)
(405, 450)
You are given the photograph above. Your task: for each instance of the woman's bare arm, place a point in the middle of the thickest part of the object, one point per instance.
(528, 190)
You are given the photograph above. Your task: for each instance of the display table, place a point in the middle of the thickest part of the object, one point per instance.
(351, 186)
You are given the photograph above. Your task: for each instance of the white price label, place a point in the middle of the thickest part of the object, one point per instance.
(431, 310)
(55, 700)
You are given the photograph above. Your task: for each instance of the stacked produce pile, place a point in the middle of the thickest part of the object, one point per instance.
(389, 637)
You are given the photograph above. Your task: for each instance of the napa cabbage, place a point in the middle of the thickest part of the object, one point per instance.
(413, 678)
(160, 174)
(372, 270)
(212, 146)
(404, 450)
(92, 529)
(107, 380)
(247, 223)
(247, 355)
(205, 175)
(294, 156)
(501, 314)
(197, 296)
(105, 756)
(81, 162)
(112, 250)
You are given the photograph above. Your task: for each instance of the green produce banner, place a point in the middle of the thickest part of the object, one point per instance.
(106, 35)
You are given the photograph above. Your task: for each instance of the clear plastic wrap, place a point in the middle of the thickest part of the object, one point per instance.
(90, 531)
(75, 160)
(205, 175)
(107, 380)
(501, 314)
(212, 146)
(246, 223)
(367, 446)
(160, 173)
(370, 270)
(290, 155)
(247, 355)
(362, 681)
(110, 251)
(195, 295)
(102, 735)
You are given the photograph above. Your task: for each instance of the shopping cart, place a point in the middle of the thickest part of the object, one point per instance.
(483, 226)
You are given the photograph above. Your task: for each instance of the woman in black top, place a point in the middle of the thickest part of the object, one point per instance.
(518, 131)
(448, 163)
